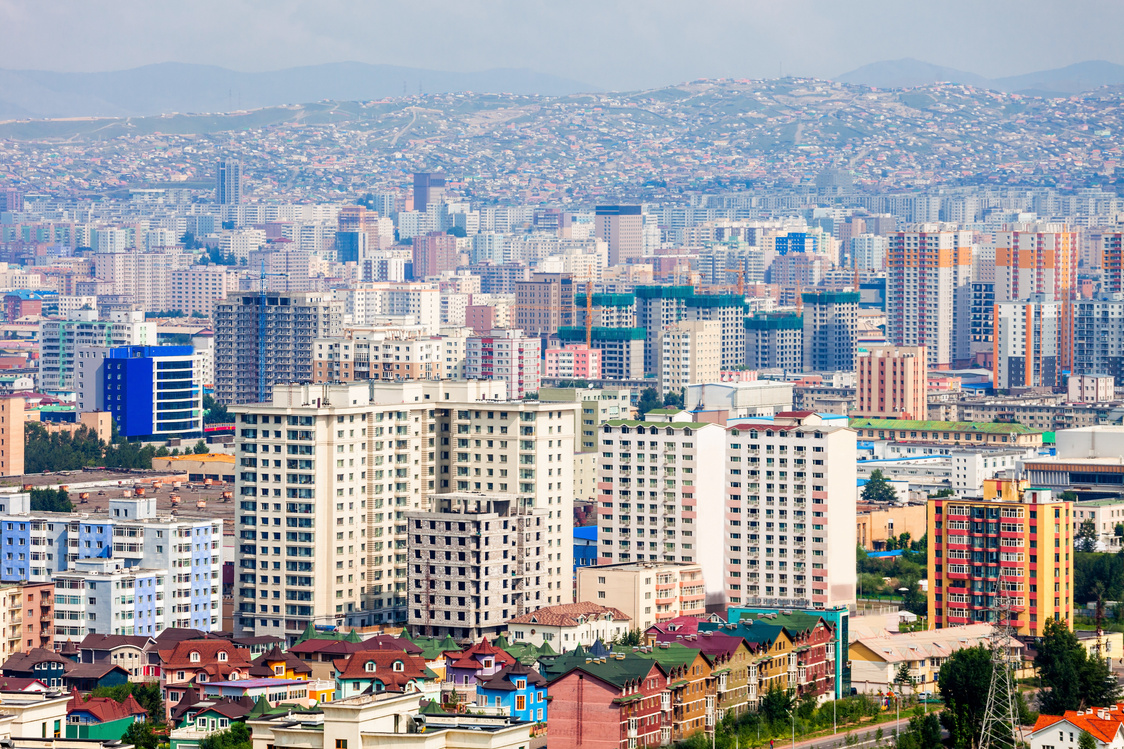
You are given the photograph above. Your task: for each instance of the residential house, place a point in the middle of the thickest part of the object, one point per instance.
(373, 671)
(274, 664)
(568, 624)
(38, 663)
(86, 677)
(127, 651)
(1106, 724)
(15, 684)
(692, 686)
(610, 702)
(519, 689)
(101, 717)
(192, 663)
(462, 668)
(730, 657)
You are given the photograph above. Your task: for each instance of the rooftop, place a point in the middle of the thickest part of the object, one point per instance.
(983, 427)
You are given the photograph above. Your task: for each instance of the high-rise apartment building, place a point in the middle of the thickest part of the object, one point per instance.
(622, 228)
(929, 270)
(506, 355)
(1019, 547)
(196, 289)
(433, 254)
(392, 354)
(729, 311)
(1111, 246)
(142, 278)
(429, 188)
(656, 308)
(868, 252)
(789, 513)
(660, 496)
(59, 341)
(1098, 344)
(392, 304)
(574, 361)
(892, 383)
(475, 561)
(690, 352)
(328, 473)
(11, 200)
(228, 182)
(264, 340)
(981, 312)
(1027, 344)
(774, 340)
(1039, 262)
(545, 303)
(830, 330)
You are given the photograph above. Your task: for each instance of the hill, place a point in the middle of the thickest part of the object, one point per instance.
(910, 73)
(180, 87)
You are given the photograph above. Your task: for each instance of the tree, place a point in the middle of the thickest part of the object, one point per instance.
(201, 448)
(877, 490)
(1091, 569)
(457, 231)
(1071, 678)
(775, 705)
(140, 735)
(1086, 539)
(964, 682)
(1086, 741)
(1118, 531)
(631, 638)
(162, 452)
(215, 412)
(147, 694)
(924, 732)
(649, 400)
(235, 737)
(50, 500)
(673, 399)
(903, 678)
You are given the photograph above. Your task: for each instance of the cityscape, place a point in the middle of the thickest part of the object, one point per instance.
(739, 411)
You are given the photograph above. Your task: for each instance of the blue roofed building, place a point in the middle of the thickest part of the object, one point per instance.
(517, 687)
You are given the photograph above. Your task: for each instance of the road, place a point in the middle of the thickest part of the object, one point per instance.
(864, 735)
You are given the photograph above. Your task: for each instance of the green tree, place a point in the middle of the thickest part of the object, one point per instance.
(877, 490)
(235, 737)
(903, 678)
(924, 732)
(50, 500)
(1086, 741)
(1071, 678)
(632, 638)
(140, 735)
(964, 682)
(775, 705)
(674, 399)
(649, 400)
(145, 693)
(457, 231)
(201, 448)
(215, 412)
(162, 452)
(1086, 539)
(1118, 531)
(1091, 569)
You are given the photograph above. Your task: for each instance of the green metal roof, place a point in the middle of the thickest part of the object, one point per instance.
(983, 427)
(659, 424)
(604, 299)
(775, 321)
(830, 297)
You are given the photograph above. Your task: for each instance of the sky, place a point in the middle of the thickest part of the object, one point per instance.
(609, 44)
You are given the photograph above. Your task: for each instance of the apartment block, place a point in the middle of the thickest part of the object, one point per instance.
(622, 349)
(433, 254)
(392, 304)
(545, 303)
(506, 355)
(981, 551)
(1027, 344)
(621, 227)
(929, 272)
(659, 490)
(262, 340)
(649, 593)
(59, 341)
(196, 289)
(892, 382)
(1098, 343)
(729, 311)
(690, 352)
(656, 308)
(830, 330)
(574, 361)
(598, 405)
(774, 340)
(475, 561)
(143, 278)
(789, 515)
(332, 470)
(379, 354)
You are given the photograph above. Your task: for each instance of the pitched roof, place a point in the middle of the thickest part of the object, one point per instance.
(274, 655)
(1105, 723)
(468, 658)
(316, 646)
(983, 427)
(570, 615)
(20, 684)
(208, 649)
(413, 668)
(168, 637)
(619, 670)
(503, 680)
(105, 709)
(93, 670)
(110, 642)
(934, 643)
(27, 661)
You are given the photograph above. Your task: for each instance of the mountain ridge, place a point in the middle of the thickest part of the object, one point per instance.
(1055, 82)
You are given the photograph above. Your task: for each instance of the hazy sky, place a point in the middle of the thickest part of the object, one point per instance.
(613, 44)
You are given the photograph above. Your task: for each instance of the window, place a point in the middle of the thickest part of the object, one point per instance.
(193, 657)
(341, 743)
(521, 702)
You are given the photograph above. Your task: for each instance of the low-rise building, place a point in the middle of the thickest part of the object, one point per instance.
(947, 432)
(1104, 724)
(645, 592)
(569, 624)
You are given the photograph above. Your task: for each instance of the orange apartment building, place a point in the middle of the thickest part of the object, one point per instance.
(892, 383)
(377, 354)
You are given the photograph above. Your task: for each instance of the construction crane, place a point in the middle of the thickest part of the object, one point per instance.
(589, 313)
(261, 327)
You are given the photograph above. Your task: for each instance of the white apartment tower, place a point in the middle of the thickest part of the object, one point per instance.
(327, 474)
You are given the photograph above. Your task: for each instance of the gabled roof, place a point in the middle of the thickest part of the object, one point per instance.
(1105, 723)
(618, 671)
(112, 642)
(208, 649)
(413, 668)
(274, 655)
(326, 647)
(105, 709)
(570, 615)
(21, 684)
(27, 661)
(93, 670)
(504, 679)
(170, 636)
(470, 658)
